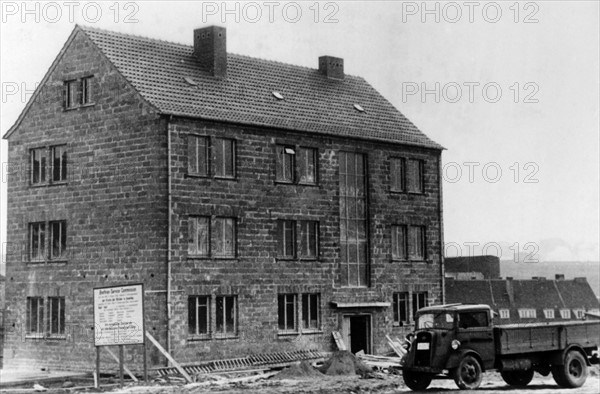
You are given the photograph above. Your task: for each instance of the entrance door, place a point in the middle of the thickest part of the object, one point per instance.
(357, 333)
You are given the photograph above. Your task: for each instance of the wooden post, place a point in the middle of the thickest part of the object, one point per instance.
(121, 365)
(127, 370)
(145, 362)
(97, 380)
(169, 357)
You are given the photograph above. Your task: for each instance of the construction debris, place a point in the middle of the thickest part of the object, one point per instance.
(379, 362)
(345, 363)
(397, 346)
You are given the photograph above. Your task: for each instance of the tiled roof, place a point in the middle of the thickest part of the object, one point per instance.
(312, 102)
(578, 293)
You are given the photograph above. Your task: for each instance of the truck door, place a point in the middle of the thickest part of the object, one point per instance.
(475, 332)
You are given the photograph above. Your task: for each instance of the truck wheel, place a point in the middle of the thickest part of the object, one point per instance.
(517, 378)
(468, 375)
(573, 372)
(416, 381)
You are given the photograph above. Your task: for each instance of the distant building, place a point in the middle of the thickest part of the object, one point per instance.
(472, 267)
(530, 300)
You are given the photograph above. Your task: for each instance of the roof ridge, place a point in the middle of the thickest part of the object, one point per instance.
(135, 36)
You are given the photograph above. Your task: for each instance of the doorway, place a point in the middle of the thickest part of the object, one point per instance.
(357, 333)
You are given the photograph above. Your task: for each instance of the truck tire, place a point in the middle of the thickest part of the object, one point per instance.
(416, 381)
(517, 378)
(468, 374)
(573, 372)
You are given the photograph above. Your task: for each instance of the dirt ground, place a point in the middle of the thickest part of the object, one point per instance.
(325, 384)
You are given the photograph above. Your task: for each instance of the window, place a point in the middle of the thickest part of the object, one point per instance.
(286, 232)
(71, 94)
(285, 164)
(308, 243)
(416, 243)
(78, 92)
(414, 181)
(354, 266)
(37, 241)
(35, 315)
(197, 155)
(86, 90)
(224, 158)
(565, 313)
(307, 166)
(38, 165)
(286, 312)
(397, 175)
(400, 305)
(226, 315)
(56, 315)
(504, 313)
(579, 313)
(399, 239)
(59, 163)
(527, 313)
(224, 237)
(419, 300)
(311, 311)
(199, 315)
(296, 165)
(199, 235)
(58, 239)
(549, 313)
(473, 319)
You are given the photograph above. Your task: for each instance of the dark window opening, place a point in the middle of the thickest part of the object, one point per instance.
(226, 315)
(56, 315)
(419, 300)
(35, 315)
(59, 163)
(400, 306)
(397, 175)
(199, 315)
(311, 311)
(58, 239)
(286, 311)
(37, 241)
(286, 235)
(38, 166)
(308, 245)
(285, 164)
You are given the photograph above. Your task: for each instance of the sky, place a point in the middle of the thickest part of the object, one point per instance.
(511, 90)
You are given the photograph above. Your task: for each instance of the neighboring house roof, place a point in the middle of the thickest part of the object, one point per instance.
(312, 102)
(529, 293)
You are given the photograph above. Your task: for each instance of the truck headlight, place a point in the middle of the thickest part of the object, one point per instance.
(455, 344)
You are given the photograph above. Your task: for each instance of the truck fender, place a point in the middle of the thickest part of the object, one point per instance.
(558, 358)
(458, 355)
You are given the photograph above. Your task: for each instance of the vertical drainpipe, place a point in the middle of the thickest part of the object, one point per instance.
(169, 235)
(440, 213)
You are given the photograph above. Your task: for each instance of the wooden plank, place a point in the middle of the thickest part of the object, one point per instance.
(168, 356)
(338, 340)
(399, 350)
(114, 356)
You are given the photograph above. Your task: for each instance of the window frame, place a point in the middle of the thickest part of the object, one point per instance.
(42, 167)
(420, 249)
(281, 156)
(86, 91)
(71, 94)
(565, 313)
(40, 256)
(504, 313)
(64, 164)
(394, 238)
(216, 145)
(415, 296)
(60, 318)
(196, 314)
(224, 333)
(196, 139)
(286, 303)
(62, 232)
(314, 224)
(306, 321)
(400, 303)
(40, 316)
(193, 222)
(421, 176)
(283, 225)
(527, 313)
(214, 252)
(398, 172)
(549, 313)
(304, 166)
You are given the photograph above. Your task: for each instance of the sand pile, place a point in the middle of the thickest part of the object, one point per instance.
(299, 371)
(344, 363)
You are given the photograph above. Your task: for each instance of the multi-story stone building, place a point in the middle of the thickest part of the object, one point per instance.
(262, 205)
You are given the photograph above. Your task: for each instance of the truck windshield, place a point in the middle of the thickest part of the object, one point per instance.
(441, 320)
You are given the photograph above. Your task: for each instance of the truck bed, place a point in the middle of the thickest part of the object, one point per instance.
(539, 337)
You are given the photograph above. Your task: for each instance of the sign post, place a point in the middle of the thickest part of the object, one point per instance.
(119, 320)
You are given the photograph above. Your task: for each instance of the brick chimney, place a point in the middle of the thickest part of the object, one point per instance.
(331, 67)
(210, 48)
(510, 291)
(559, 277)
